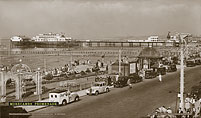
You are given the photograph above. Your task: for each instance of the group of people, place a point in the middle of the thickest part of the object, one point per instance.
(191, 109)
(162, 112)
(66, 67)
(192, 105)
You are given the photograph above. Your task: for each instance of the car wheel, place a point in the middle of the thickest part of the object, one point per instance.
(64, 102)
(96, 93)
(76, 98)
(107, 90)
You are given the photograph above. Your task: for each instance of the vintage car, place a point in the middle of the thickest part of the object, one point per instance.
(122, 80)
(171, 68)
(161, 70)
(149, 74)
(135, 78)
(97, 88)
(190, 63)
(63, 97)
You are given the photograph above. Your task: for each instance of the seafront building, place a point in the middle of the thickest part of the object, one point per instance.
(51, 37)
(152, 39)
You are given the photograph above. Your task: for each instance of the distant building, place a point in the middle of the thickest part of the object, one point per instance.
(152, 39)
(51, 37)
(16, 38)
(173, 39)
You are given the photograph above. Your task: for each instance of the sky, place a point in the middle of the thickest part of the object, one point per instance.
(94, 19)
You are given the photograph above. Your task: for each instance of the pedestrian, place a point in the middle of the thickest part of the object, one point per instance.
(129, 83)
(160, 77)
(68, 96)
(169, 110)
(187, 102)
(179, 113)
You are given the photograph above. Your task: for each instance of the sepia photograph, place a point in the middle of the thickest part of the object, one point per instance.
(100, 58)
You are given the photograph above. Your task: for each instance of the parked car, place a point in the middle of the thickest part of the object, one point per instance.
(171, 68)
(97, 88)
(135, 78)
(122, 81)
(190, 63)
(63, 97)
(149, 74)
(161, 70)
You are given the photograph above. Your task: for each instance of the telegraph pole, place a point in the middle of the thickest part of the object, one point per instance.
(182, 76)
(39, 91)
(182, 41)
(2, 83)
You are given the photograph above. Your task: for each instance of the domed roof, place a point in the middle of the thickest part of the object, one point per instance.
(149, 52)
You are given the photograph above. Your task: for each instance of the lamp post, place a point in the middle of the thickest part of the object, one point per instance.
(19, 93)
(119, 61)
(39, 91)
(181, 95)
(3, 87)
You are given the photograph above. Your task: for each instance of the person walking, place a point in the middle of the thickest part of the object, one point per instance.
(68, 96)
(160, 77)
(129, 83)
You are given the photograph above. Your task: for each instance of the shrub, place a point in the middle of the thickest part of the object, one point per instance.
(49, 76)
(27, 94)
(83, 73)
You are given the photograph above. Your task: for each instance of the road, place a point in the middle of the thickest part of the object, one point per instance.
(142, 99)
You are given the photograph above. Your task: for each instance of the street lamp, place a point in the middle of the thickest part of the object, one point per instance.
(181, 95)
(119, 61)
(39, 84)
